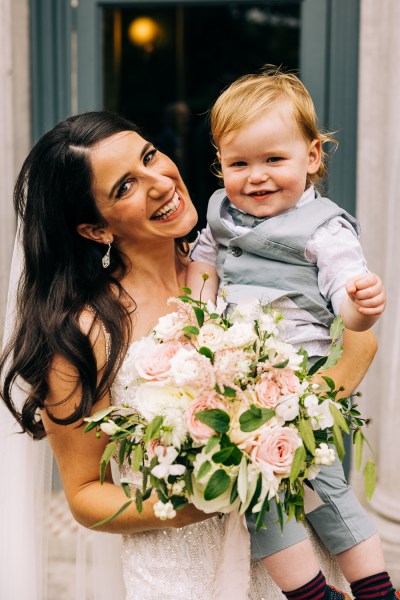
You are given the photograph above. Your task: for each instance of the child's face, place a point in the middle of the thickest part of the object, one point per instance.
(265, 164)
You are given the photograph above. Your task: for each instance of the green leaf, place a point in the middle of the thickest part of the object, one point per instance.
(304, 363)
(242, 480)
(99, 416)
(228, 456)
(298, 463)
(234, 491)
(215, 418)
(178, 502)
(335, 352)
(212, 442)
(250, 422)
(105, 459)
(307, 434)
(186, 290)
(137, 457)
(358, 441)
(338, 439)
(260, 523)
(218, 483)
(329, 381)
(185, 298)
(127, 488)
(369, 478)
(279, 509)
(317, 365)
(339, 419)
(153, 428)
(214, 316)
(281, 365)
(204, 469)
(187, 476)
(190, 330)
(336, 328)
(226, 391)
(90, 426)
(114, 516)
(206, 352)
(139, 500)
(199, 315)
(121, 451)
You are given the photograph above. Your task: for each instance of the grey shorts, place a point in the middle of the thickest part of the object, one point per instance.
(340, 521)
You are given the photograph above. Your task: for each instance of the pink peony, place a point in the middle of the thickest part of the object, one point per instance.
(156, 365)
(287, 381)
(275, 447)
(268, 392)
(199, 431)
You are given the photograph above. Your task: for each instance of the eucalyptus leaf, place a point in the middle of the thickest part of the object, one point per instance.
(105, 459)
(153, 428)
(358, 440)
(369, 478)
(137, 457)
(336, 328)
(339, 418)
(307, 434)
(99, 416)
(206, 352)
(338, 439)
(229, 456)
(298, 463)
(204, 469)
(212, 442)
(199, 315)
(317, 365)
(114, 516)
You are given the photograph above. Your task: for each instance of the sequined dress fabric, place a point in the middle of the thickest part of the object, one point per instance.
(180, 564)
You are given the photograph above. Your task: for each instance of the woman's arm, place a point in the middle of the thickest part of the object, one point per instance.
(359, 349)
(78, 457)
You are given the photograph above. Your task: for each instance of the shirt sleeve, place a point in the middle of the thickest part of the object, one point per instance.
(205, 248)
(335, 248)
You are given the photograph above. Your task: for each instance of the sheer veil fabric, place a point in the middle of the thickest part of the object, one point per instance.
(25, 475)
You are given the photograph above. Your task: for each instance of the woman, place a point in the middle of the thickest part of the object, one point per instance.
(103, 214)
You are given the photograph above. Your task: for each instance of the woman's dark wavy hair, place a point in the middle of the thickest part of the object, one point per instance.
(62, 272)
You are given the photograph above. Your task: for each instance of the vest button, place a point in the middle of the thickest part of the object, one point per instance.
(236, 251)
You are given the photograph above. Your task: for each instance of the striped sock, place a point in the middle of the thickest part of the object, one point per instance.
(374, 586)
(313, 590)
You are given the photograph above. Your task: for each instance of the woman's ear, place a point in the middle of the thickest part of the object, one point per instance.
(95, 233)
(314, 156)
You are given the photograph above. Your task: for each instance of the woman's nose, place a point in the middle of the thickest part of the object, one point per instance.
(159, 185)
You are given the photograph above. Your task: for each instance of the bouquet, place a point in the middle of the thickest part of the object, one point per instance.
(222, 413)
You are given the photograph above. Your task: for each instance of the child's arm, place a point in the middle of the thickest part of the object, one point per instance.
(195, 280)
(364, 303)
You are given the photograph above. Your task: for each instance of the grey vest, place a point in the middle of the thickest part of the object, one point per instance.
(269, 260)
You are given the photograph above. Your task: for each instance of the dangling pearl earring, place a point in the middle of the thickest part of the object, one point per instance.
(105, 261)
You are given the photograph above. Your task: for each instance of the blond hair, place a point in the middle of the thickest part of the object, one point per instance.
(249, 97)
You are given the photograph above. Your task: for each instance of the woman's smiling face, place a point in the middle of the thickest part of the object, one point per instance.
(139, 191)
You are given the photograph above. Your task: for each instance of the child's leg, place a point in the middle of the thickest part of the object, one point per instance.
(348, 533)
(289, 558)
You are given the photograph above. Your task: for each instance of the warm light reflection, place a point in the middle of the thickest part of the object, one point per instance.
(143, 31)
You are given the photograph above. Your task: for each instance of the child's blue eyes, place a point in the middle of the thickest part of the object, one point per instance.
(271, 159)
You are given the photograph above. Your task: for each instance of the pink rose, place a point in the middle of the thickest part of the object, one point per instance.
(287, 381)
(156, 365)
(268, 392)
(275, 447)
(199, 431)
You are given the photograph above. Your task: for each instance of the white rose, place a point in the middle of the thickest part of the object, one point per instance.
(188, 366)
(168, 327)
(288, 408)
(153, 400)
(211, 336)
(284, 351)
(240, 335)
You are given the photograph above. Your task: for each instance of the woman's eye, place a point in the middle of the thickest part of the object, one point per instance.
(124, 188)
(149, 155)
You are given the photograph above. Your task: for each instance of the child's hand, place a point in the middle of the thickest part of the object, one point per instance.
(368, 293)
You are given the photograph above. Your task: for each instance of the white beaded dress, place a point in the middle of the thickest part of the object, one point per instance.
(180, 564)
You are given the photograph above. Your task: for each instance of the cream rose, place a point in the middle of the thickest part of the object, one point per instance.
(211, 336)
